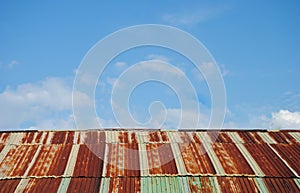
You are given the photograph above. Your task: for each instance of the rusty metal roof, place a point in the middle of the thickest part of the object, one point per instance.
(150, 161)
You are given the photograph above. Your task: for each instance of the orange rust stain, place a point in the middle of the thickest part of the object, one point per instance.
(127, 184)
(84, 185)
(164, 136)
(9, 186)
(46, 137)
(290, 153)
(4, 137)
(154, 136)
(251, 137)
(231, 159)
(161, 159)
(268, 161)
(88, 163)
(52, 160)
(50, 185)
(17, 160)
(196, 159)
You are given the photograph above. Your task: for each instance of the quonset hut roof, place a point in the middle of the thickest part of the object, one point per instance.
(150, 161)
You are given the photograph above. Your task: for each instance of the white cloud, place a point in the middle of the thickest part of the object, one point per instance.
(121, 65)
(158, 57)
(12, 63)
(194, 16)
(43, 104)
(209, 69)
(285, 119)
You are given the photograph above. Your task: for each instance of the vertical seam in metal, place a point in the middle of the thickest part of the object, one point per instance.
(284, 161)
(71, 161)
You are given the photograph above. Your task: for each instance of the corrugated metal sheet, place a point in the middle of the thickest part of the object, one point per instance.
(149, 161)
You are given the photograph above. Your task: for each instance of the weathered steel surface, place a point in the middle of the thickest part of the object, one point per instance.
(231, 159)
(88, 164)
(269, 162)
(291, 154)
(150, 161)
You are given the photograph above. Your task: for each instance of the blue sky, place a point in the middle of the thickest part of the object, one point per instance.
(255, 44)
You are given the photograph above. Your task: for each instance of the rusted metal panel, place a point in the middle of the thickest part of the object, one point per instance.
(281, 185)
(122, 160)
(282, 137)
(231, 159)
(290, 153)
(149, 161)
(158, 136)
(161, 159)
(17, 160)
(126, 184)
(94, 137)
(196, 159)
(251, 137)
(9, 186)
(42, 185)
(4, 137)
(88, 163)
(50, 161)
(237, 184)
(219, 137)
(84, 185)
(268, 161)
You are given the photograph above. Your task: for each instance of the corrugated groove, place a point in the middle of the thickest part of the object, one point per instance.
(8, 186)
(231, 159)
(50, 185)
(16, 161)
(161, 159)
(268, 161)
(296, 136)
(290, 153)
(84, 185)
(52, 160)
(88, 164)
(251, 137)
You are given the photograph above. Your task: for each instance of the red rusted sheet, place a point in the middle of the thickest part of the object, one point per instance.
(285, 185)
(158, 136)
(161, 159)
(290, 153)
(126, 184)
(8, 186)
(88, 163)
(84, 185)
(17, 160)
(268, 161)
(282, 137)
(251, 137)
(219, 137)
(63, 137)
(50, 185)
(231, 159)
(123, 160)
(195, 159)
(94, 136)
(237, 184)
(51, 160)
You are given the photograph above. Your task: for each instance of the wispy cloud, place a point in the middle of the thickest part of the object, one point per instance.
(194, 16)
(12, 63)
(45, 104)
(158, 57)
